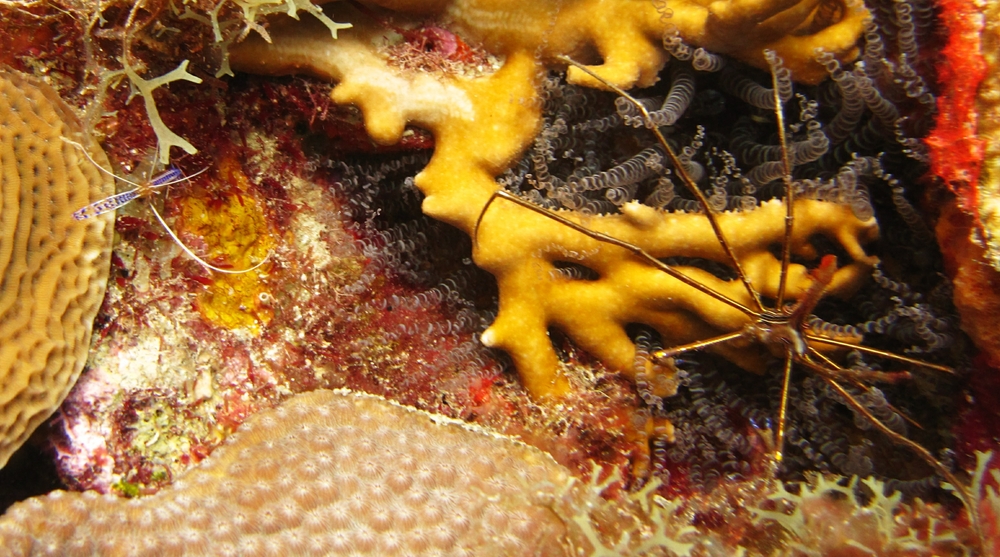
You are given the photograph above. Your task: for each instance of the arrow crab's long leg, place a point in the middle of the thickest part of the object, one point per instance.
(601, 237)
(857, 380)
(786, 167)
(688, 182)
(786, 381)
(877, 352)
(960, 490)
(693, 346)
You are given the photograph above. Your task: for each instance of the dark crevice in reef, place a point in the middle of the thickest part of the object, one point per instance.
(29, 472)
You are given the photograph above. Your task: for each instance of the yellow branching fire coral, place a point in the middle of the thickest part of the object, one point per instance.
(627, 33)
(534, 296)
(53, 268)
(481, 124)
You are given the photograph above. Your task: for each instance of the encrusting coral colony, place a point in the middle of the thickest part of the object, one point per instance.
(325, 473)
(719, 319)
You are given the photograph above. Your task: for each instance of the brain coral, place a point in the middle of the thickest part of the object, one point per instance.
(53, 269)
(328, 472)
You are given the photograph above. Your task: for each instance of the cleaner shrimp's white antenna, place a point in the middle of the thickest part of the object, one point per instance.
(146, 189)
(201, 261)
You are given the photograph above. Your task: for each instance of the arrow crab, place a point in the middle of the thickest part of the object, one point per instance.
(786, 316)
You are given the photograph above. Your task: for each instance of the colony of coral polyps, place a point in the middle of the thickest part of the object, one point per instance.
(482, 124)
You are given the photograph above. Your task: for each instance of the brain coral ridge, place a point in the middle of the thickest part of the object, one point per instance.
(53, 268)
(328, 472)
(482, 124)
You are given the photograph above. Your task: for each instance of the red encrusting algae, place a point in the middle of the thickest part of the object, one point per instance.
(955, 148)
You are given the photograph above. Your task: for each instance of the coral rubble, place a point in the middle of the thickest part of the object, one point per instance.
(53, 267)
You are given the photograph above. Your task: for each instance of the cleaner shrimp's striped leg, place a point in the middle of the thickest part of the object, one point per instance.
(106, 205)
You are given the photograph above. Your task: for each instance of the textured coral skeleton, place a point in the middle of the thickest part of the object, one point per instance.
(54, 268)
(327, 473)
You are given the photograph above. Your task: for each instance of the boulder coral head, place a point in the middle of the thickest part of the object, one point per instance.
(326, 473)
(53, 268)
(343, 473)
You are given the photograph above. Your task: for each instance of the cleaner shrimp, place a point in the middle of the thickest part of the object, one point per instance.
(145, 189)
